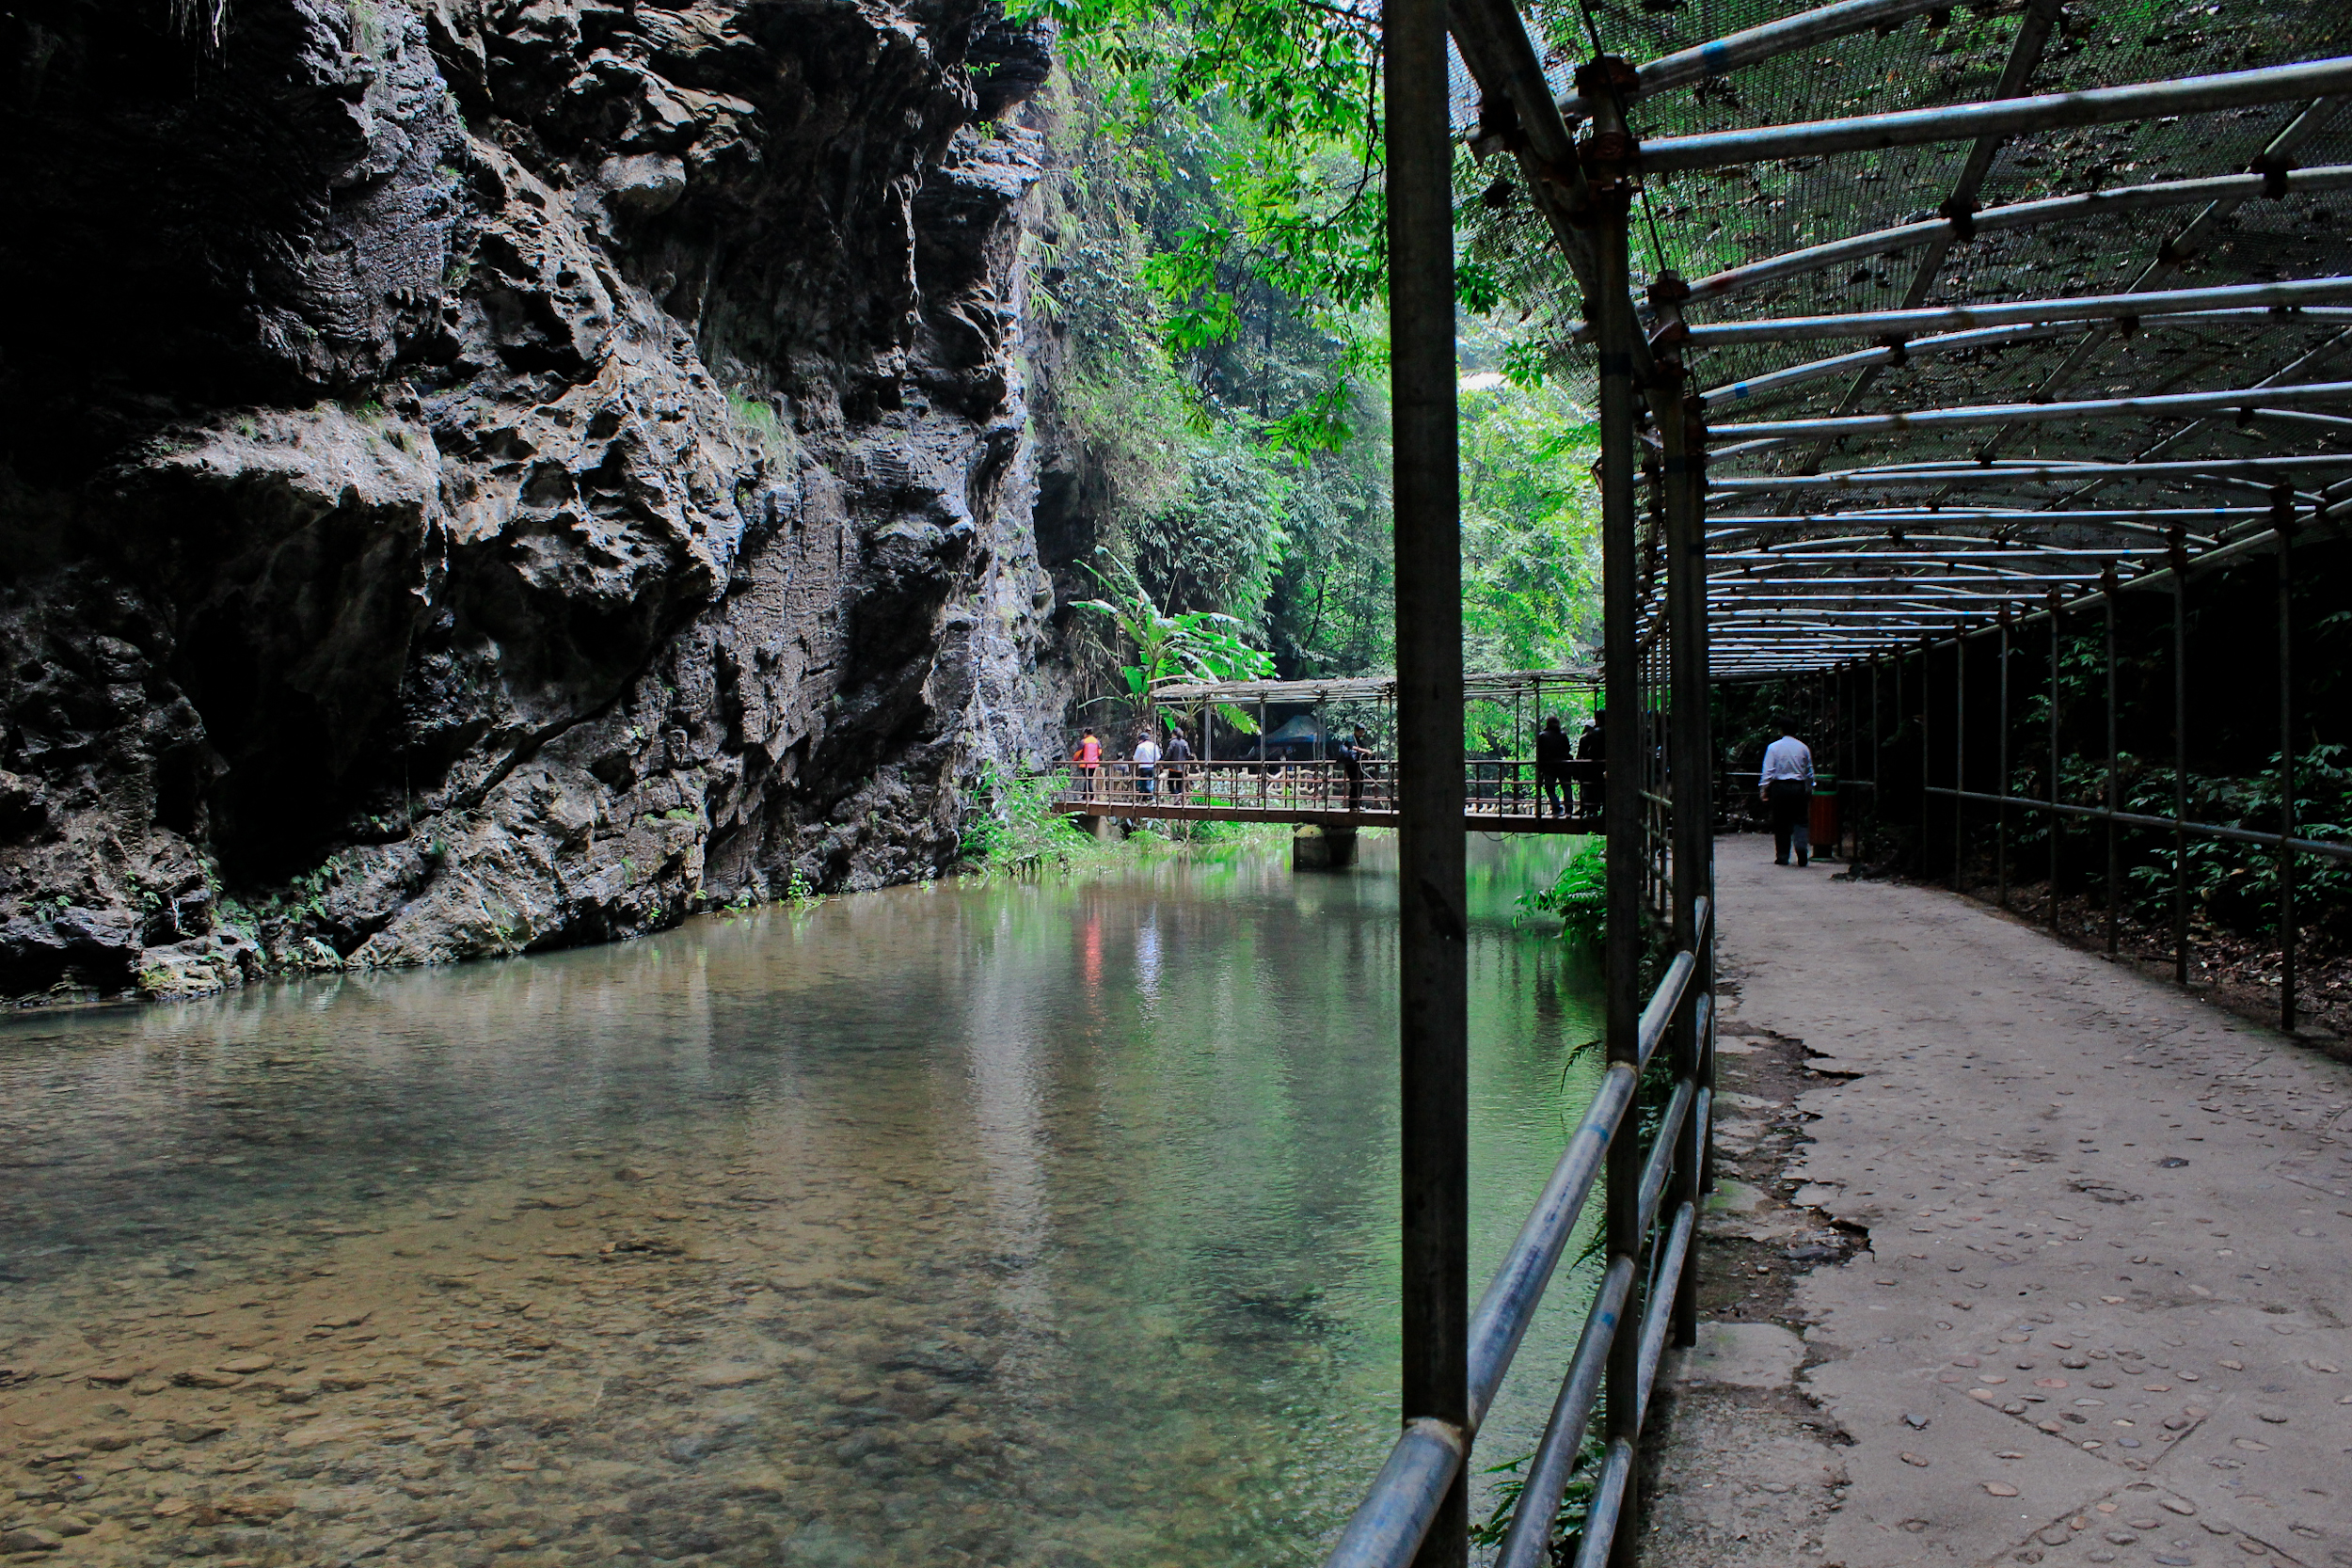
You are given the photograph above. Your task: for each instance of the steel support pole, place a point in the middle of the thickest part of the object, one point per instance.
(2286, 775)
(2054, 819)
(1263, 759)
(1839, 699)
(1878, 749)
(2115, 861)
(1927, 698)
(1694, 824)
(2179, 772)
(2000, 813)
(1960, 750)
(1432, 928)
(1606, 83)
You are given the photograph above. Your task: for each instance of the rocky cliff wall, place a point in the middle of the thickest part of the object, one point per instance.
(481, 475)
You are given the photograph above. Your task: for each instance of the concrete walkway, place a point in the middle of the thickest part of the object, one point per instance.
(2090, 1292)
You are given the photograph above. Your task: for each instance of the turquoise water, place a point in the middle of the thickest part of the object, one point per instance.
(1017, 1223)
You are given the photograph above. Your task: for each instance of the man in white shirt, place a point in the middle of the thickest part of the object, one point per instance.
(1787, 786)
(1147, 762)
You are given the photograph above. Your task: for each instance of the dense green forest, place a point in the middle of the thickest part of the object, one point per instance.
(1211, 260)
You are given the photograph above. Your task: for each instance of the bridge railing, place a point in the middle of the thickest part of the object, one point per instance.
(1501, 786)
(1644, 1285)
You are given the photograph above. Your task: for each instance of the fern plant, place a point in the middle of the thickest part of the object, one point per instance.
(1579, 896)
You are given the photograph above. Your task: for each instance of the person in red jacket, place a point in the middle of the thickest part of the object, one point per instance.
(1089, 756)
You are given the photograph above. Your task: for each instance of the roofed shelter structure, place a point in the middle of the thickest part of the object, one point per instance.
(1907, 325)
(1252, 767)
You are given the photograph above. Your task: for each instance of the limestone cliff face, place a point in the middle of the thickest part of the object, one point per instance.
(479, 475)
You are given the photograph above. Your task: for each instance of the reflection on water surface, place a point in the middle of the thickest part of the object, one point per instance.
(1009, 1225)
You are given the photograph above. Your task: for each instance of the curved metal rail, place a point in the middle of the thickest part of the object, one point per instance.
(1387, 1528)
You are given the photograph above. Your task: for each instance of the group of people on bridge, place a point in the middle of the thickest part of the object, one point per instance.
(1165, 773)
(1567, 773)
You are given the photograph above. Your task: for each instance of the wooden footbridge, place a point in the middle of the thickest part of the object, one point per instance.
(1272, 751)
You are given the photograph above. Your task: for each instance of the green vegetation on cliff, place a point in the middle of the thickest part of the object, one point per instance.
(1214, 262)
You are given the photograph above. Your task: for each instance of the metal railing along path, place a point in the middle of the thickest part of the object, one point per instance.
(1387, 1527)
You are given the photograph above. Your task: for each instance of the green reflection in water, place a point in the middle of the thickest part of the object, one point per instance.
(1018, 1223)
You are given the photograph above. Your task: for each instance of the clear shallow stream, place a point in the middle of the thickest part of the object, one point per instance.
(1010, 1224)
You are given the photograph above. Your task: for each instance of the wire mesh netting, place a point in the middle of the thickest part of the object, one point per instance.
(2017, 484)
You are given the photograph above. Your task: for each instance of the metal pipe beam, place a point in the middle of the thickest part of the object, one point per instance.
(2023, 214)
(2000, 534)
(2179, 248)
(1891, 591)
(1528, 1541)
(2257, 468)
(1422, 1468)
(1863, 552)
(1929, 615)
(2169, 405)
(1907, 516)
(2025, 58)
(1756, 636)
(2301, 365)
(1758, 387)
(1959, 568)
(2330, 848)
(1511, 1297)
(2001, 117)
(1778, 589)
(1729, 52)
(1958, 318)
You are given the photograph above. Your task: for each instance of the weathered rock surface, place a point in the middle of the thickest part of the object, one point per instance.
(487, 475)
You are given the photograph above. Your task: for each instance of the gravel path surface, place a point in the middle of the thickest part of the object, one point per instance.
(2087, 1301)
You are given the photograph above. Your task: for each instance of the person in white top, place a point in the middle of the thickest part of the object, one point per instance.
(1147, 762)
(1787, 786)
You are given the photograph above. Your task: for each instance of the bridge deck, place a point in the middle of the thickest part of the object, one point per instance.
(1500, 794)
(1472, 821)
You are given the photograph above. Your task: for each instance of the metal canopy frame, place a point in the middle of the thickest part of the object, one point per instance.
(2098, 264)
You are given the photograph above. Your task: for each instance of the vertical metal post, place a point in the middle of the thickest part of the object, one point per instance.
(2286, 763)
(1927, 696)
(2179, 761)
(1265, 761)
(1606, 84)
(2110, 589)
(1960, 746)
(1534, 728)
(1433, 970)
(1684, 436)
(1840, 722)
(1878, 745)
(2000, 784)
(2054, 819)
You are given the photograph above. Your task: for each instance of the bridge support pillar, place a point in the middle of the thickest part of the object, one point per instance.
(1315, 848)
(1104, 829)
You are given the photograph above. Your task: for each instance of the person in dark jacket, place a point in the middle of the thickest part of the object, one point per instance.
(1551, 769)
(1592, 746)
(1352, 751)
(1172, 764)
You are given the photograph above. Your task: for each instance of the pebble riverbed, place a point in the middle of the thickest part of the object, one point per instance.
(1034, 1227)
